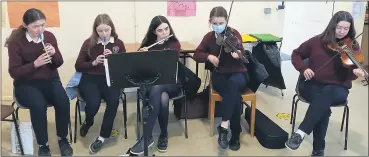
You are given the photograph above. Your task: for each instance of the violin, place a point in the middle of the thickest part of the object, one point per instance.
(230, 43)
(349, 56)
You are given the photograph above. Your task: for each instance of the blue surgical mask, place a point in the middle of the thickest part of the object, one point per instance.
(218, 28)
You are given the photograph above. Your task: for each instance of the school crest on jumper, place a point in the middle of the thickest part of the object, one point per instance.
(115, 49)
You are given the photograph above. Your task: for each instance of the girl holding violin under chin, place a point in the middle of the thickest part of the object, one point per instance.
(328, 80)
(229, 77)
(92, 87)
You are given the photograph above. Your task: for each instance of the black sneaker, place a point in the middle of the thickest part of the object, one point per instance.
(317, 153)
(96, 146)
(162, 144)
(234, 143)
(44, 151)
(84, 129)
(65, 148)
(294, 141)
(138, 148)
(222, 139)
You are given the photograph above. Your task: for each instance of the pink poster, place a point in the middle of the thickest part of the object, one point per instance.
(181, 7)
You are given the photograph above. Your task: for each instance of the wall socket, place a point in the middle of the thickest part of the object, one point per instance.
(267, 10)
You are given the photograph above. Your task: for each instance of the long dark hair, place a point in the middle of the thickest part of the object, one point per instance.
(329, 34)
(30, 16)
(151, 37)
(100, 19)
(329, 37)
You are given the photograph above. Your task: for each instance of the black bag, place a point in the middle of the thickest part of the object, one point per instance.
(197, 107)
(189, 80)
(268, 133)
(256, 72)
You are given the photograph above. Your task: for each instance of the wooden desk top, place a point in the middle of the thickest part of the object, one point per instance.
(186, 47)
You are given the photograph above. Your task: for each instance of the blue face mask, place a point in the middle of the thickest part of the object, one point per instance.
(218, 28)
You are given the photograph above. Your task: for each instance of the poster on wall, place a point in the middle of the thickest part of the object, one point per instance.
(17, 9)
(181, 7)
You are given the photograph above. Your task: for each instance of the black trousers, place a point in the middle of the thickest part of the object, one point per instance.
(321, 97)
(160, 111)
(93, 88)
(230, 86)
(37, 95)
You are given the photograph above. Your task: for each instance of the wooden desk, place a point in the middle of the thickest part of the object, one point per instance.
(186, 47)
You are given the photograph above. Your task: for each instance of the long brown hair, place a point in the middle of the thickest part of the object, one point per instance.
(329, 34)
(100, 19)
(30, 16)
(151, 37)
(218, 12)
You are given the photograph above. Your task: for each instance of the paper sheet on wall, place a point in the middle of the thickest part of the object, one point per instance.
(181, 7)
(3, 14)
(49, 8)
(357, 10)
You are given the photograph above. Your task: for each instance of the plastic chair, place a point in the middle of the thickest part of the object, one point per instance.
(181, 96)
(19, 106)
(6, 111)
(300, 98)
(78, 110)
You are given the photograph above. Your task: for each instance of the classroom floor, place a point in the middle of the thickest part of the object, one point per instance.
(199, 143)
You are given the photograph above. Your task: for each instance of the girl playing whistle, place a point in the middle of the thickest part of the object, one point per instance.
(36, 79)
(92, 86)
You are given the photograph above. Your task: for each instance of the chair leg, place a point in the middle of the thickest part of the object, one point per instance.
(75, 120)
(138, 116)
(343, 118)
(293, 107)
(70, 131)
(294, 116)
(16, 113)
(252, 125)
(211, 116)
(79, 113)
(347, 123)
(124, 101)
(185, 105)
(18, 134)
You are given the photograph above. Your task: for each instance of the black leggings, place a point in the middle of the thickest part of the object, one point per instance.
(37, 95)
(93, 88)
(159, 96)
(230, 86)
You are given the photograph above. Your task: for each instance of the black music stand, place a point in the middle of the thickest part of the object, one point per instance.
(142, 69)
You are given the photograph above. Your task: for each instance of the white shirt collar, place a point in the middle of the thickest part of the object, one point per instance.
(111, 40)
(29, 38)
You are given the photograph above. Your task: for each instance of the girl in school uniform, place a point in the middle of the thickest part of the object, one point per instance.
(328, 81)
(159, 95)
(36, 80)
(92, 86)
(228, 79)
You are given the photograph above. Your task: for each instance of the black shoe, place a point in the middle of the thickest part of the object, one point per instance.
(44, 151)
(96, 146)
(222, 139)
(234, 143)
(162, 144)
(138, 148)
(84, 129)
(65, 148)
(317, 153)
(294, 141)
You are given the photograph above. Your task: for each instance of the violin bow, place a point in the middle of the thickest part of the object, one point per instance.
(225, 31)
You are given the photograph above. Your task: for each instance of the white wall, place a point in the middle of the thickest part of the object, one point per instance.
(304, 20)
(132, 19)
